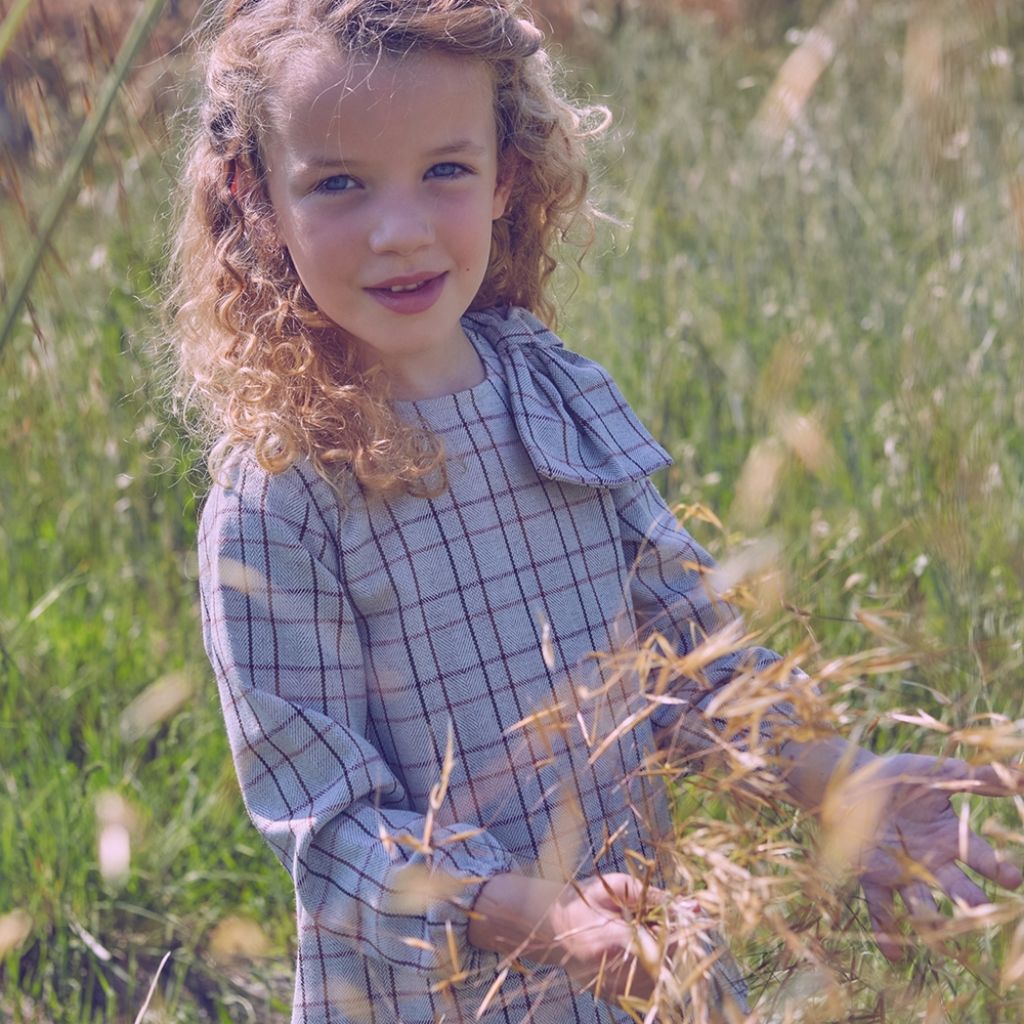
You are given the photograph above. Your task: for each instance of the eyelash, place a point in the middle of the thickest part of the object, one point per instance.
(453, 171)
(459, 169)
(322, 186)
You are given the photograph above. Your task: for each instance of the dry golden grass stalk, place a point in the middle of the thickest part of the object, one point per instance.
(575, 19)
(159, 701)
(235, 937)
(1017, 206)
(799, 74)
(15, 928)
(756, 881)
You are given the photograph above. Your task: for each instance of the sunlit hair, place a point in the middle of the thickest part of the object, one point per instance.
(260, 367)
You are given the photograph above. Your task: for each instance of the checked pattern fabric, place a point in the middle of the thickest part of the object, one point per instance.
(411, 690)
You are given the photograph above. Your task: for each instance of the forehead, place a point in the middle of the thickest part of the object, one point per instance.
(332, 98)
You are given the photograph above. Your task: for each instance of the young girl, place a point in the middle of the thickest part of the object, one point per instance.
(428, 516)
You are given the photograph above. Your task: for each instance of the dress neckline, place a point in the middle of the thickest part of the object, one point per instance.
(575, 424)
(433, 410)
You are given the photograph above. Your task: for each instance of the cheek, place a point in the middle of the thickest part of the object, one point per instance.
(468, 228)
(321, 247)
(313, 234)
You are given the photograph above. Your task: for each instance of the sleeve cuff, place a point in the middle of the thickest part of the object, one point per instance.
(470, 864)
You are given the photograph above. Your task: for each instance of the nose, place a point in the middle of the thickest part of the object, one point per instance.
(402, 226)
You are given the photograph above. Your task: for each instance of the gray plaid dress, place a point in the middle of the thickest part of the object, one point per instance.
(411, 690)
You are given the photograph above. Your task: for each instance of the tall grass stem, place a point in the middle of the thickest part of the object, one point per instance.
(9, 26)
(137, 35)
(152, 988)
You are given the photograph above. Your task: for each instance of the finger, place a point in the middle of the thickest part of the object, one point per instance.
(928, 922)
(999, 779)
(987, 780)
(612, 891)
(683, 909)
(983, 859)
(918, 899)
(958, 887)
(883, 920)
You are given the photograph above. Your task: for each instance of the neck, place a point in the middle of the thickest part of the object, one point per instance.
(432, 375)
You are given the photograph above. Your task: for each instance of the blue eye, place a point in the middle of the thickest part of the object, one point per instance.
(337, 183)
(447, 170)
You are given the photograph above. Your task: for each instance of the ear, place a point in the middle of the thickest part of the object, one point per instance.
(241, 181)
(502, 191)
(507, 165)
(239, 178)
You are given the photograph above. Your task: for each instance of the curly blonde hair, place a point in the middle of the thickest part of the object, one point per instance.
(260, 367)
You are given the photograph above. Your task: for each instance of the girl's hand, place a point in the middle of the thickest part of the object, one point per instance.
(920, 838)
(595, 935)
(593, 929)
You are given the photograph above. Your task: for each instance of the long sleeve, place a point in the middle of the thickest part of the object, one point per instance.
(285, 645)
(671, 595)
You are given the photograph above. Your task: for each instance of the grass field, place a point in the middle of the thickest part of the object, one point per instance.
(824, 330)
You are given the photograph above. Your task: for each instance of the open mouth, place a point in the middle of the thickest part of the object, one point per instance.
(414, 294)
(396, 289)
(405, 282)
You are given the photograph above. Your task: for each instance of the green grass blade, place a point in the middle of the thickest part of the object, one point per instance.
(138, 33)
(9, 26)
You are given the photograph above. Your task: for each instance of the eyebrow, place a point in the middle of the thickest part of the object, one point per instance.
(459, 146)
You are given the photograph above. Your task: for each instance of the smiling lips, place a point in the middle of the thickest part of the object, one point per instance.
(413, 293)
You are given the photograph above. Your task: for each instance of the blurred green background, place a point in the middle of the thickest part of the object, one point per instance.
(809, 286)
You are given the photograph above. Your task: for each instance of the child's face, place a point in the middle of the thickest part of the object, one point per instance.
(384, 184)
